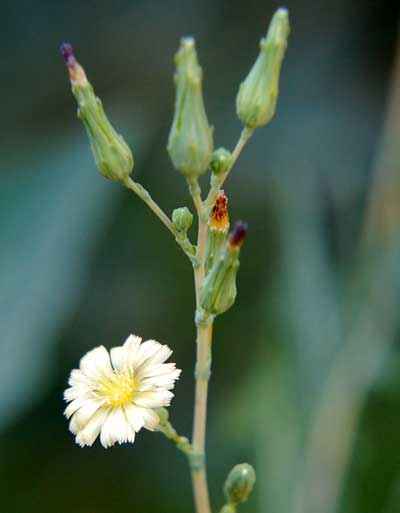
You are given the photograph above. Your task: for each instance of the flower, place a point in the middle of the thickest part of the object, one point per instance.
(219, 218)
(114, 394)
(218, 227)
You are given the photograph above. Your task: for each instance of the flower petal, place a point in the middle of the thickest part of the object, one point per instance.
(134, 416)
(88, 435)
(96, 363)
(151, 419)
(162, 352)
(161, 377)
(116, 428)
(83, 415)
(119, 358)
(146, 351)
(153, 398)
(78, 378)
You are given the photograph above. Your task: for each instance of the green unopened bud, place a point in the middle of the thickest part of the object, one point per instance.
(218, 226)
(111, 153)
(228, 508)
(220, 161)
(256, 100)
(239, 483)
(190, 142)
(218, 292)
(182, 219)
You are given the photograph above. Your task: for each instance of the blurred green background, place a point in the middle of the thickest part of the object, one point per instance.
(83, 262)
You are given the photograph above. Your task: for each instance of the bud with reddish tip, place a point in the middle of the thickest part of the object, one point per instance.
(111, 153)
(218, 226)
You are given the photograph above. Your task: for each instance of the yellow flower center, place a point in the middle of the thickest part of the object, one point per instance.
(118, 390)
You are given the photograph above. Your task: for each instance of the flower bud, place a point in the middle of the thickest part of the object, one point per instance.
(218, 226)
(228, 508)
(218, 291)
(256, 100)
(111, 153)
(190, 142)
(239, 483)
(219, 218)
(237, 235)
(182, 219)
(220, 161)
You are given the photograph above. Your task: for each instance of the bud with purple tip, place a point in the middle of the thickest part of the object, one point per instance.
(111, 153)
(218, 292)
(237, 235)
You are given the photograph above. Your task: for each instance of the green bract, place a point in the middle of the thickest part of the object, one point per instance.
(111, 153)
(256, 100)
(190, 142)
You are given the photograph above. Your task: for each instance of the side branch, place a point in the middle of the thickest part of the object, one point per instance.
(219, 181)
(144, 195)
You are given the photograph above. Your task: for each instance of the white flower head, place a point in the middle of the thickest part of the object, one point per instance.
(114, 394)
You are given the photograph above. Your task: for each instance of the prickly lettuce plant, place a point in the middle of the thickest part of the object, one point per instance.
(114, 394)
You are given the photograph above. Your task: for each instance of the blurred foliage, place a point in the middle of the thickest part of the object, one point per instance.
(80, 257)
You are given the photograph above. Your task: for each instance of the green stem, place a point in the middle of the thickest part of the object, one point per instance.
(204, 332)
(203, 364)
(218, 181)
(202, 375)
(181, 442)
(144, 195)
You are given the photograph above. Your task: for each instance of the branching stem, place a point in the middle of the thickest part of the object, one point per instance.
(144, 195)
(219, 180)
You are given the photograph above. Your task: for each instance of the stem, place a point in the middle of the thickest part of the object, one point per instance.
(204, 332)
(218, 181)
(203, 364)
(145, 196)
(198, 469)
(203, 370)
(195, 192)
(181, 442)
